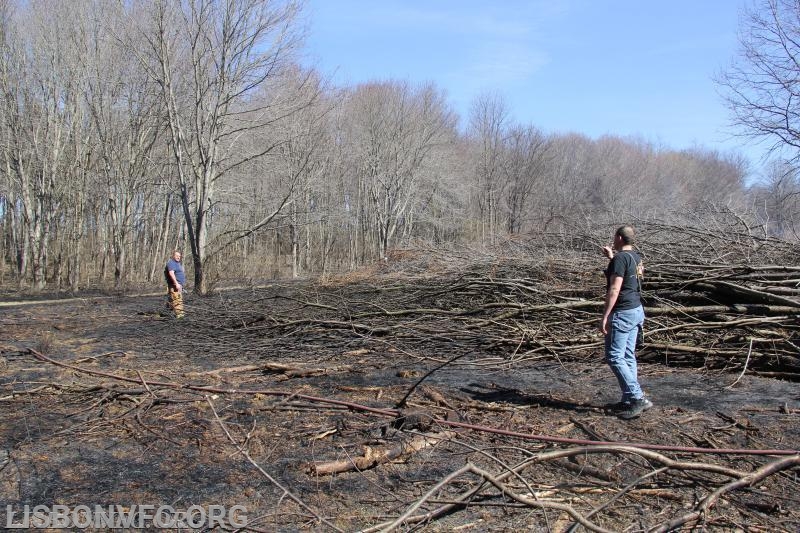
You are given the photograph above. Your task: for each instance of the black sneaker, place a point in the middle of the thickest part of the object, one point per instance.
(635, 408)
(616, 407)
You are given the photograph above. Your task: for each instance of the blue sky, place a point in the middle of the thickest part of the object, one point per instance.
(640, 68)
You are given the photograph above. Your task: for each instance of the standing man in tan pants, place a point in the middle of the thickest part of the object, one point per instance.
(176, 278)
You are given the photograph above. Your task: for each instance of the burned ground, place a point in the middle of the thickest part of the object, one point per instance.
(288, 399)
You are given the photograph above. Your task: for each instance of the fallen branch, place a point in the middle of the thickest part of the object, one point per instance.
(373, 457)
(709, 501)
(393, 413)
(498, 483)
(288, 371)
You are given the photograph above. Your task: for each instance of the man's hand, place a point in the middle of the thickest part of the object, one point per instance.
(604, 325)
(608, 252)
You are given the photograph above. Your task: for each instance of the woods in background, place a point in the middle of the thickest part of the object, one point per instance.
(129, 129)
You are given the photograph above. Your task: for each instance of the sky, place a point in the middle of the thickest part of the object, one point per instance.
(631, 68)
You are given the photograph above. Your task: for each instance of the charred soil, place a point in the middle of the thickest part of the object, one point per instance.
(474, 402)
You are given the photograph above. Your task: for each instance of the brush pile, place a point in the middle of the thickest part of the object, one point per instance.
(736, 310)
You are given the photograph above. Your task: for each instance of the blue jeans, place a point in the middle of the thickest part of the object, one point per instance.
(622, 328)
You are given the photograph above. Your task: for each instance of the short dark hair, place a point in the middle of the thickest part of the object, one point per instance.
(627, 234)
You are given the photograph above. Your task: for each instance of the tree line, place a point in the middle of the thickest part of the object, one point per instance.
(128, 129)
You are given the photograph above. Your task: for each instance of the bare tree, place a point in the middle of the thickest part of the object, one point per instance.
(761, 87)
(44, 143)
(210, 58)
(488, 124)
(274, 187)
(777, 199)
(523, 171)
(126, 117)
(563, 199)
(394, 129)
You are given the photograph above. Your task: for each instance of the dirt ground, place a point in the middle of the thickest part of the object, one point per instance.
(258, 433)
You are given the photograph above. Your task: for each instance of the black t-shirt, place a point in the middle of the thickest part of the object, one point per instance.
(626, 264)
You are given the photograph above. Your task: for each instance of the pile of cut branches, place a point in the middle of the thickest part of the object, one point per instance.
(705, 308)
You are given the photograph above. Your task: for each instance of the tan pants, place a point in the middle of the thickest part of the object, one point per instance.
(175, 302)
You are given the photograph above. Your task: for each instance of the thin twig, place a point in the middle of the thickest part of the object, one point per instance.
(747, 360)
(286, 492)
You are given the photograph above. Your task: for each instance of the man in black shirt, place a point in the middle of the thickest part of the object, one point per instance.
(623, 316)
